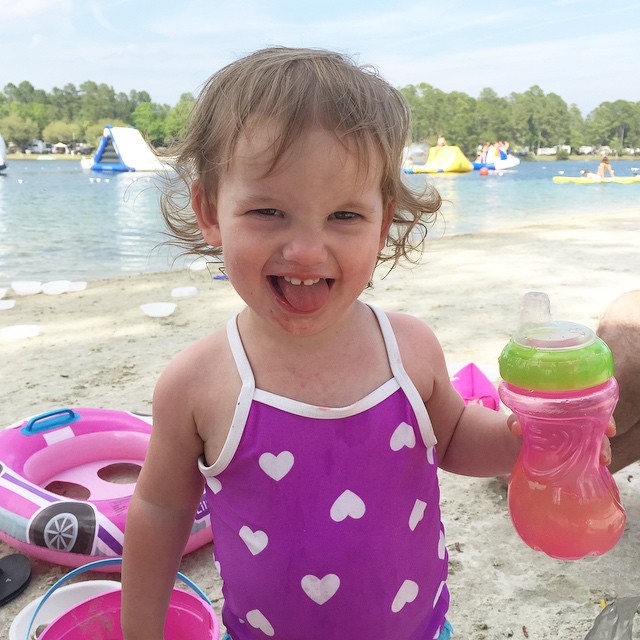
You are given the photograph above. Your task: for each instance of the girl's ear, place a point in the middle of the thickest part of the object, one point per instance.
(206, 214)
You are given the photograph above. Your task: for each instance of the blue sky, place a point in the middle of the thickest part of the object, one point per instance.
(586, 52)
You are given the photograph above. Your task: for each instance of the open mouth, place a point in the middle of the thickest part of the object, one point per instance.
(303, 295)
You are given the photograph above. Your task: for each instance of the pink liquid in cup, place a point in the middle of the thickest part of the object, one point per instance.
(562, 500)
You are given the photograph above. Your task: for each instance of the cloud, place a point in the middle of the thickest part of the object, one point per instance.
(14, 13)
(99, 17)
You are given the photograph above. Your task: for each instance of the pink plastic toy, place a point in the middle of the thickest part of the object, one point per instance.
(475, 388)
(66, 480)
(190, 615)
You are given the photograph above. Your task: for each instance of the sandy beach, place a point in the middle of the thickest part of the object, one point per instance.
(95, 348)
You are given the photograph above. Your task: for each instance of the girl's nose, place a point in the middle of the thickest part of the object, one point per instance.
(305, 247)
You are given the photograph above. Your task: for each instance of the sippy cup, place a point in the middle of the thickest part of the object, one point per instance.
(557, 378)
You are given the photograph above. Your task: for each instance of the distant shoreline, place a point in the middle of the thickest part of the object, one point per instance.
(531, 158)
(43, 156)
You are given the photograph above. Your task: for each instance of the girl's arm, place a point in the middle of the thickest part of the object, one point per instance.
(481, 444)
(162, 509)
(472, 440)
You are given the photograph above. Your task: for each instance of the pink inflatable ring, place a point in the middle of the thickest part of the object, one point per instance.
(66, 480)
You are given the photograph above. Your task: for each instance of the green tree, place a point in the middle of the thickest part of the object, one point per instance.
(65, 103)
(25, 93)
(555, 120)
(427, 106)
(97, 102)
(149, 119)
(577, 137)
(492, 117)
(175, 124)
(530, 119)
(19, 130)
(460, 123)
(538, 120)
(60, 131)
(39, 112)
(616, 124)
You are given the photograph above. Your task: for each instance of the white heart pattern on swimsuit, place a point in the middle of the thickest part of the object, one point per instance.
(320, 589)
(403, 436)
(417, 513)
(438, 593)
(348, 504)
(276, 467)
(442, 546)
(407, 593)
(257, 620)
(256, 541)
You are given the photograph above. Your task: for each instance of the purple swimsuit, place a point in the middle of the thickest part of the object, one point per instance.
(326, 521)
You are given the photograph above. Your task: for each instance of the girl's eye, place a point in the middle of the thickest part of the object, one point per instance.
(345, 215)
(269, 213)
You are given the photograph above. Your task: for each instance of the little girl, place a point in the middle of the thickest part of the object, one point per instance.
(314, 422)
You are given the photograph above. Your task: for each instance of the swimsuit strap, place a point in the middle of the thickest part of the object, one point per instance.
(239, 354)
(403, 379)
(245, 396)
(395, 362)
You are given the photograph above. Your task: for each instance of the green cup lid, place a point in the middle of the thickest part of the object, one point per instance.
(553, 355)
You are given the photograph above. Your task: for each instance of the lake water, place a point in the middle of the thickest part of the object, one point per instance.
(60, 222)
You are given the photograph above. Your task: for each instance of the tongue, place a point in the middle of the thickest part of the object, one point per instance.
(304, 297)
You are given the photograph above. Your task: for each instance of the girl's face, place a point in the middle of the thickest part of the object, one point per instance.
(300, 243)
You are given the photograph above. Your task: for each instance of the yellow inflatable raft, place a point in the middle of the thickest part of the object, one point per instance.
(581, 180)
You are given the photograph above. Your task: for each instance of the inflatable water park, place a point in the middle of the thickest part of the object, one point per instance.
(123, 149)
(443, 159)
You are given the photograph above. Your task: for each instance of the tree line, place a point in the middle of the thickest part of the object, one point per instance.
(528, 120)
(79, 114)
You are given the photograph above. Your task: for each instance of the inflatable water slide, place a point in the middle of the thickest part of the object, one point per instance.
(124, 149)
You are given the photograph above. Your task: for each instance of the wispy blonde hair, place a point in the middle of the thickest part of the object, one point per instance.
(297, 89)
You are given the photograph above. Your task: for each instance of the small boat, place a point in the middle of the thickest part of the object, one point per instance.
(475, 387)
(447, 159)
(499, 164)
(583, 180)
(496, 157)
(3, 154)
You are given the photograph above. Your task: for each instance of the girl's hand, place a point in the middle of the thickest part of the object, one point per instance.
(605, 448)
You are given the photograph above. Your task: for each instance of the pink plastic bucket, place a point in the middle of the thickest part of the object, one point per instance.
(188, 618)
(190, 615)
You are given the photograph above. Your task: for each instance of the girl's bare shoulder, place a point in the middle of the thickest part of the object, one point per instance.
(199, 363)
(420, 350)
(411, 329)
